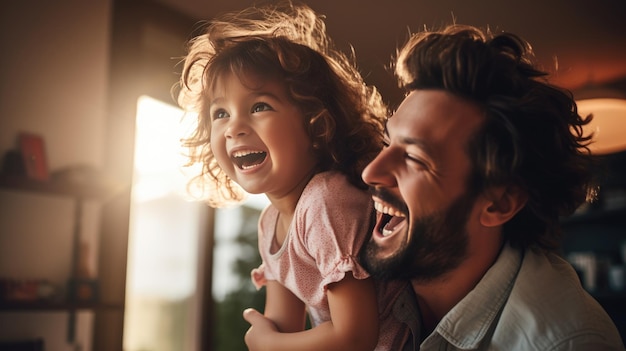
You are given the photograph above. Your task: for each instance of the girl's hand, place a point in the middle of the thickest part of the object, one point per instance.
(261, 330)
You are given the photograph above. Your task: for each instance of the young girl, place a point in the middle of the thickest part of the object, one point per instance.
(284, 114)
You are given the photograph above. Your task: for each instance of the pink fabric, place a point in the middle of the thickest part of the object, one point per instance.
(331, 222)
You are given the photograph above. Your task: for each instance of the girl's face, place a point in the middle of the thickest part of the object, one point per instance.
(258, 136)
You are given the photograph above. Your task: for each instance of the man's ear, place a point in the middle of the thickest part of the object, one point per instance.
(501, 204)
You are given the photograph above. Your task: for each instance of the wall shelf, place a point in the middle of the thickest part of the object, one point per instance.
(595, 216)
(98, 190)
(77, 192)
(600, 231)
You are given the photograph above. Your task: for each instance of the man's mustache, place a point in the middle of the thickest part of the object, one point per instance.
(389, 198)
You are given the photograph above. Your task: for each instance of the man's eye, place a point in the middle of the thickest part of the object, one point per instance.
(417, 160)
(385, 143)
(219, 114)
(260, 107)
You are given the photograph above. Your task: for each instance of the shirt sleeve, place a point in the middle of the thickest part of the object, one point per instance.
(258, 276)
(338, 219)
(261, 275)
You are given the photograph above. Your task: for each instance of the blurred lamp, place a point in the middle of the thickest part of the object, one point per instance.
(609, 118)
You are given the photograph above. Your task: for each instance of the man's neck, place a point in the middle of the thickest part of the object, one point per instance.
(437, 297)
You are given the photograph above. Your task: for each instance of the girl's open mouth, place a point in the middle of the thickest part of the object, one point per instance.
(247, 159)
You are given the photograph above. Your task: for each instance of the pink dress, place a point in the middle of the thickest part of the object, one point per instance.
(332, 220)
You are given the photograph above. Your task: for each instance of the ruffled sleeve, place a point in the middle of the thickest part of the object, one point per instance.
(346, 264)
(258, 277)
(338, 220)
(262, 274)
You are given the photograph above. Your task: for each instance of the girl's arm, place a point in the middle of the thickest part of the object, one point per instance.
(353, 325)
(283, 308)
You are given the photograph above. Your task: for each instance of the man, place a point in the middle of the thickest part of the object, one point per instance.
(482, 158)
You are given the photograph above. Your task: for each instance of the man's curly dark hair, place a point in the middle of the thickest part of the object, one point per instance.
(532, 137)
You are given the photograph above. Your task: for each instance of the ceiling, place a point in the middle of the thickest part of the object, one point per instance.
(581, 42)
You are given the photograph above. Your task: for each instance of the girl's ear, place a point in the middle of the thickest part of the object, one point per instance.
(502, 203)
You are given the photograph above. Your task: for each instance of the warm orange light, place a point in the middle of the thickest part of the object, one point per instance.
(608, 124)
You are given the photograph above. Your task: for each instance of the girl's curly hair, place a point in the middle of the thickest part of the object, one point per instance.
(344, 117)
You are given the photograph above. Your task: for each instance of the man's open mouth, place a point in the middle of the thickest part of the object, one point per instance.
(247, 159)
(389, 219)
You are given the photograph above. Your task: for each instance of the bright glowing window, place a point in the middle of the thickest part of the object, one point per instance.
(165, 226)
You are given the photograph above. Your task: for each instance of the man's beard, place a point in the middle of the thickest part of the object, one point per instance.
(437, 244)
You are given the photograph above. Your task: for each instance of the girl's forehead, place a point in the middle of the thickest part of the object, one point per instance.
(249, 78)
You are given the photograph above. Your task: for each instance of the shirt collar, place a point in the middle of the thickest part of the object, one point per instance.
(471, 319)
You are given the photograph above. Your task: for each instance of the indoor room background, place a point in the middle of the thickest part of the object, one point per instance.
(101, 246)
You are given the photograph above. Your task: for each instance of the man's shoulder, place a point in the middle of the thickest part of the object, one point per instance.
(548, 306)
(548, 284)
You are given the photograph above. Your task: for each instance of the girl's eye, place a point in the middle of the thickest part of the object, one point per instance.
(260, 107)
(219, 114)
(385, 143)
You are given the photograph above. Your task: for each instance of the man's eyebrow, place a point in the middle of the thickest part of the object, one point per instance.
(426, 147)
(414, 141)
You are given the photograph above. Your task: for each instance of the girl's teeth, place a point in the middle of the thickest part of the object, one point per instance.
(244, 153)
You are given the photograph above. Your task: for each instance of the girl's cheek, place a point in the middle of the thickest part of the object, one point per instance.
(217, 148)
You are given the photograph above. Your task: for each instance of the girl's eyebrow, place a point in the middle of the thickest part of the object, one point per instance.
(259, 94)
(215, 101)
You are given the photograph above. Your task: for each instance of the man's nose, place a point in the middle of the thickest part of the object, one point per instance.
(380, 172)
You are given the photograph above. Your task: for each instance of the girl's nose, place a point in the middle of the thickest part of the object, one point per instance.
(237, 127)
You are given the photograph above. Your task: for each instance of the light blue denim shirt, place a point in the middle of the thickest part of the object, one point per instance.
(524, 302)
